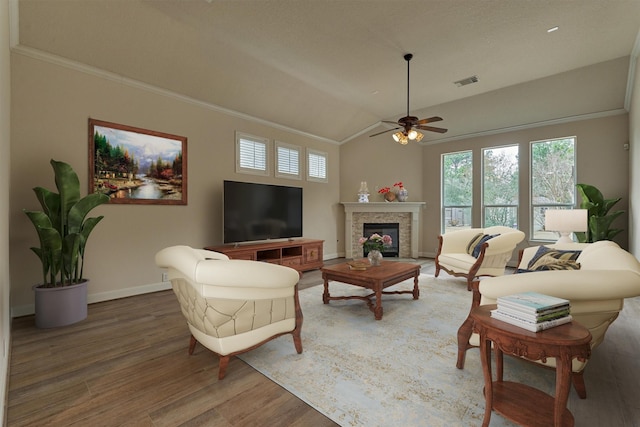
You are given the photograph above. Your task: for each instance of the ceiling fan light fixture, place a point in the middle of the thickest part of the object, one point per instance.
(400, 137)
(409, 123)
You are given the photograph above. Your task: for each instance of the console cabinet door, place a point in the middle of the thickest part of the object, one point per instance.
(312, 253)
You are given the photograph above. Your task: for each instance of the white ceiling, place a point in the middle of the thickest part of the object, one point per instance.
(334, 69)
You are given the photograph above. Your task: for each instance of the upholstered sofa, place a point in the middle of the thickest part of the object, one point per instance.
(606, 276)
(456, 257)
(232, 306)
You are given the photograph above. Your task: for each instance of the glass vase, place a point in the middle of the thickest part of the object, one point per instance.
(375, 257)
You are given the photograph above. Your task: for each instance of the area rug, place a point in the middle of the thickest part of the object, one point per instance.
(399, 370)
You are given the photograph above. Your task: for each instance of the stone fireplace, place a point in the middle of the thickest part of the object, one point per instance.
(406, 214)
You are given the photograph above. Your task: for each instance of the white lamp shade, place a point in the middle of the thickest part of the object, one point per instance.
(565, 221)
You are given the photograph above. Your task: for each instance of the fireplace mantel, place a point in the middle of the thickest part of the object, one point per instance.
(412, 208)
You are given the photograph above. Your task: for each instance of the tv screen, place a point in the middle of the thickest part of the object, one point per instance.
(253, 212)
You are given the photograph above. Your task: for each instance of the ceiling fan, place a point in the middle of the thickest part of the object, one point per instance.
(410, 124)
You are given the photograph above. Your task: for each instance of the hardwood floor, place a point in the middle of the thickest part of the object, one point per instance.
(127, 365)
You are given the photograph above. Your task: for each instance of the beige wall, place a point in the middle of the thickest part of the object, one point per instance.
(634, 159)
(50, 108)
(5, 134)
(601, 161)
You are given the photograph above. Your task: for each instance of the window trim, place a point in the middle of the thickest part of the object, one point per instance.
(532, 205)
(444, 207)
(484, 205)
(312, 152)
(241, 136)
(292, 148)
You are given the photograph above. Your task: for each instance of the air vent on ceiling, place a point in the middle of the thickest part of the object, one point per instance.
(467, 81)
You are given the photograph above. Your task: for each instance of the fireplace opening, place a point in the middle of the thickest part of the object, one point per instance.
(392, 229)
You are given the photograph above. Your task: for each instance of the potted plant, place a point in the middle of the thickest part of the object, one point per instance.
(63, 230)
(600, 220)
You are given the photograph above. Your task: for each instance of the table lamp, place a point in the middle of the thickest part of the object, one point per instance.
(565, 222)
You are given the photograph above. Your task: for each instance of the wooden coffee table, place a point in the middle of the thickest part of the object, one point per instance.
(377, 278)
(521, 403)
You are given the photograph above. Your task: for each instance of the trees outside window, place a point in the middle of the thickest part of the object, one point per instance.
(553, 181)
(457, 190)
(500, 186)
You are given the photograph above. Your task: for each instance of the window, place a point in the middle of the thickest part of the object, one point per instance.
(251, 154)
(457, 190)
(500, 186)
(553, 181)
(316, 166)
(287, 160)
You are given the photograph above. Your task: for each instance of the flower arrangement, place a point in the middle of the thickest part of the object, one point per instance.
(375, 242)
(384, 190)
(399, 185)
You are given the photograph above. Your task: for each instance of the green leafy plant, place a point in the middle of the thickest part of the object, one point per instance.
(600, 219)
(62, 228)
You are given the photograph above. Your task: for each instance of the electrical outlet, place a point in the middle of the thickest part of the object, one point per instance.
(165, 277)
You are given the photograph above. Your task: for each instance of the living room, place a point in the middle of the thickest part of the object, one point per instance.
(52, 98)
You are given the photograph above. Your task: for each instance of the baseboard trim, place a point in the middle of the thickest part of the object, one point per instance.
(29, 309)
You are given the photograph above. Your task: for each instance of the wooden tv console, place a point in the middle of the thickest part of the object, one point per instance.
(301, 254)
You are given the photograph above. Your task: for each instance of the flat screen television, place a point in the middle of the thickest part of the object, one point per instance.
(254, 212)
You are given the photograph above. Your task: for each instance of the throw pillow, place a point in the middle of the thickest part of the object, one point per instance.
(473, 242)
(548, 262)
(566, 255)
(475, 245)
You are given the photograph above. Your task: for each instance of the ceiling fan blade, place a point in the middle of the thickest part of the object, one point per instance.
(429, 120)
(432, 129)
(384, 131)
(392, 123)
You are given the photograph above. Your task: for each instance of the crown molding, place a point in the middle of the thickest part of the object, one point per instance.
(63, 62)
(106, 75)
(561, 120)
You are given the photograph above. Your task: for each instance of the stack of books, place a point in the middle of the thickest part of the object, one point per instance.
(532, 311)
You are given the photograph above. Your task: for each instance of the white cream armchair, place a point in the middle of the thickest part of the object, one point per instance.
(232, 306)
(492, 258)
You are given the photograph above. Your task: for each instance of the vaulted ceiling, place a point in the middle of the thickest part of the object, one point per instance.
(335, 69)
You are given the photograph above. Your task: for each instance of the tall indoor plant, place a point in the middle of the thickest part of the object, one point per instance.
(600, 220)
(63, 230)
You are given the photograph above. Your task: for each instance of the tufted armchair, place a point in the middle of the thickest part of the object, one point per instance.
(492, 257)
(232, 306)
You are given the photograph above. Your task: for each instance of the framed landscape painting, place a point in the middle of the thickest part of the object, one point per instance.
(137, 166)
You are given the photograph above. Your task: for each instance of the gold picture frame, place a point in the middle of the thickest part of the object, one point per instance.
(137, 166)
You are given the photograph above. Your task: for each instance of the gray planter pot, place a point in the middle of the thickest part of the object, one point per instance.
(60, 306)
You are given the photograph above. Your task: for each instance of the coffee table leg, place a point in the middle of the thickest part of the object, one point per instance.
(378, 310)
(325, 294)
(416, 290)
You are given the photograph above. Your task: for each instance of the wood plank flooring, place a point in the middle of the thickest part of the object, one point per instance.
(127, 365)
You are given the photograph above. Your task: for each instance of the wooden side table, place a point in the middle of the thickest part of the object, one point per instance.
(521, 403)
